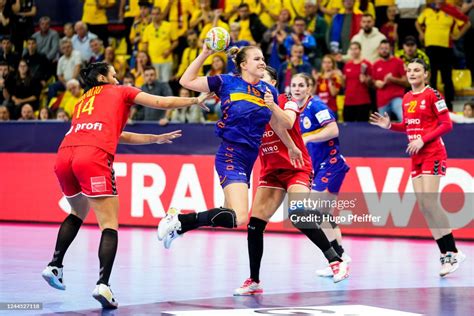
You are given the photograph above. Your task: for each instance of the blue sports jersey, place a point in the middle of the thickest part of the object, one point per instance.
(314, 118)
(244, 113)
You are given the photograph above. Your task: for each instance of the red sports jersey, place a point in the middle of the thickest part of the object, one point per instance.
(421, 116)
(100, 116)
(273, 153)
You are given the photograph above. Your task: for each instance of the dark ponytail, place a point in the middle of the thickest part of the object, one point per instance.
(90, 74)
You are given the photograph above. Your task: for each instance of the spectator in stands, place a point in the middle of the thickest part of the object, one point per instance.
(369, 38)
(251, 28)
(408, 12)
(4, 113)
(47, 39)
(8, 55)
(234, 41)
(40, 66)
(68, 100)
(343, 27)
(294, 65)
(177, 13)
(274, 37)
(437, 28)
(23, 27)
(128, 11)
(357, 75)
(62, 116)
(97, 49)
(468, 9)
(201, 16)
(332, 7)
(299, 35)
(411, 51)
(143, 61)
(27, 113)
(466, 117)
(22, 88)
(68, 31)
(328, 82)
(269, 12)
(6, 18)
(4, 70)
(318, 27)
(69, 65)
(120, 66)
(138, 27)
(190, 53)
(94, 15)
(390, 82)
(390, 28)
(231, 9)
(381, 7)
(44, 114)
(192, 114)
(81, 41)
(160, 41)
(155, 87)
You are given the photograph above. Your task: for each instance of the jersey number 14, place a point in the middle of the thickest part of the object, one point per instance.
(88, 107)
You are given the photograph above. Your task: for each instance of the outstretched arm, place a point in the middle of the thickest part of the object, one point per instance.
(144, 139)
(167, 103)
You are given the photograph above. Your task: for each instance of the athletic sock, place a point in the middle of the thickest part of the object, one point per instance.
(317, 236)
(337, 247)
(441, 245)
(107, 251)
(67, 232)
(255, 230)
(450, 243)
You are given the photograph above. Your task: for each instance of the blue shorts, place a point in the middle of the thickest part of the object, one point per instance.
(234, 163)
(330, 175)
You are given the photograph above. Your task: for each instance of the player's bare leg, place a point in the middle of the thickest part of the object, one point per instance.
(53, 273)
(265, 204)
(427, 192)
(106, 212)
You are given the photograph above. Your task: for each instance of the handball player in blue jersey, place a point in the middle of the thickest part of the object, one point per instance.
(244, 117)
(320, 135)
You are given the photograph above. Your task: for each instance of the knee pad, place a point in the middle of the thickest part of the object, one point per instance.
(223, 217)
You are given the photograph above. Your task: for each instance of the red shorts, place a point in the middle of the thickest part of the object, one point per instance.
(283, 179)
(87, 170)
(430, 166)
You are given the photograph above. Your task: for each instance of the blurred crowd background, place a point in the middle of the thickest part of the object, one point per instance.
(355, 50)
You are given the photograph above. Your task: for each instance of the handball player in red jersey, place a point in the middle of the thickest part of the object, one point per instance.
(425, 120)
(84, 165)
(286, 167)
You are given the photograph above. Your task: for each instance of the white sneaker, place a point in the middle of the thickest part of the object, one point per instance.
(327, 272)
(54, 277)
(169, 223)
(169, 238)
(104, 295)
(450, 262)
(250, 287)
(340, 271)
